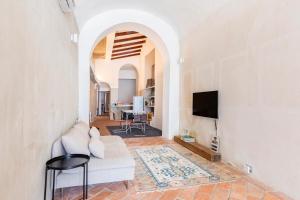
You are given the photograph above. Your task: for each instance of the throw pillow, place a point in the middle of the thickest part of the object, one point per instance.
(96, 147)
(75, 142)
(94, 133)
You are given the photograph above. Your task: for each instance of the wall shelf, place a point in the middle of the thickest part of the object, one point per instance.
(199, 149)
(148, 88)
(149, 97)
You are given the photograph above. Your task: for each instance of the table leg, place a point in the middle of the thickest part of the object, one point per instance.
(84, 181)
(53, 186)
(45, 189)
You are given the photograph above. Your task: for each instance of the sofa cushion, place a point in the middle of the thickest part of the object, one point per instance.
(96, 147)
(116, 156)
(94, 133)
(75, 141)
(112, 140)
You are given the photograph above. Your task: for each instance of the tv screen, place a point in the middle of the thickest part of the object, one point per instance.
(205, 104)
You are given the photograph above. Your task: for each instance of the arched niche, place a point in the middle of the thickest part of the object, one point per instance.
(128, 83)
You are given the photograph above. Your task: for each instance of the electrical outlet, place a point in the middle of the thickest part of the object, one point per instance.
(249, 169)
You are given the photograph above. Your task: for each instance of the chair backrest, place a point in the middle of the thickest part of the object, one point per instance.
(149, 116)
(140, 117)
(136, 117)
(144, 118)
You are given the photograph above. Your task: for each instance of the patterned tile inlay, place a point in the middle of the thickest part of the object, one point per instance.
(173, 166)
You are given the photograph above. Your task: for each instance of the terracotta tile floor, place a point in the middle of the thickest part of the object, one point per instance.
(244, 188)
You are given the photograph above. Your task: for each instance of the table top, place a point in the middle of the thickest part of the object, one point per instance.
(132, 112)
(123, 105)
(69, 161)
(127, 111)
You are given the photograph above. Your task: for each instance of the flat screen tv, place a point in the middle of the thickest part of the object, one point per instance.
(205, 104)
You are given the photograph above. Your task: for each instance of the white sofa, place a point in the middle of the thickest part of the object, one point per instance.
(117, 165)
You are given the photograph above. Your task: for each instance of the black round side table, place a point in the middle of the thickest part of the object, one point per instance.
(65, 162)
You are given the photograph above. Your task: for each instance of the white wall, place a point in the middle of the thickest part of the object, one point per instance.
(39, 91)
(159, 85)
(127, 90)
(146, 50)
(93, 100)
(128, 74)
(149, 62)
(249, 51)
(104, 87)
(181, 15)
(145, 70)
(108, 70)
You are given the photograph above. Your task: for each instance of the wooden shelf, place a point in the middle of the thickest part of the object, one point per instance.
(152, 87)
(199, 149)
(150, 106)
(149, 97)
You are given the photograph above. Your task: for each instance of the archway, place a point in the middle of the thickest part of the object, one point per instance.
(164, 38)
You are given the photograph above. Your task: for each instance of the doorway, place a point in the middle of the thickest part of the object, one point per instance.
(103, 99)
(163, 36)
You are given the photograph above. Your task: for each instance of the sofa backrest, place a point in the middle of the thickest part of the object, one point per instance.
(58, 148)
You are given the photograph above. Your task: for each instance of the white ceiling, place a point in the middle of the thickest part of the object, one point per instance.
(183, 15)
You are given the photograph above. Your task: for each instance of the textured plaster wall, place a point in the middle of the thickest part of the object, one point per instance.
(159, 85)
(93, 100)
(144, 73)
(249, 51)
(108, 70)
(147, 60)
(38, 91)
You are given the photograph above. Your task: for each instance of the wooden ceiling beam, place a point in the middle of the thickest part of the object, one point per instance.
(126, 52)
(129, 48)
(98, 55)
(129, 39)
(129, 44)
(125, 33)
(136, 54)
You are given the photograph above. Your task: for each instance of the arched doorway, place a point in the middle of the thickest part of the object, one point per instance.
(163, 36)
